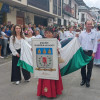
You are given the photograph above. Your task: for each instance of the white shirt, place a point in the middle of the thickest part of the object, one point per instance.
(68, 34)
(88, 41)
(61, 35)
(29, 40)
(59, 45)
(3, 34)
(39, 36)
(14, 46)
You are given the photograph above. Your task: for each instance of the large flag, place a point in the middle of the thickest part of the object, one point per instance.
(73, 56)
(64, 42)
(25, 60)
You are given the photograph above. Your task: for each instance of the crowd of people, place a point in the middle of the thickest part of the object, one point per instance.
(10, 36)
(39, 32)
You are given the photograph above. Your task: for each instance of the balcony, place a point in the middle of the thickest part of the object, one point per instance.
(67, 9)
(44, 5)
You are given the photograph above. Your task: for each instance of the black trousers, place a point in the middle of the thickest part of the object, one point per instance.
(16, 70)
(86, 75)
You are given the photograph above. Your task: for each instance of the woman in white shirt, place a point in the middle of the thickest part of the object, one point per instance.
(15, 47)
(70, 33)
(30, 37)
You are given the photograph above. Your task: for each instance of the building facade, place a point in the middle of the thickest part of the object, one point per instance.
(95, 12)
(36, 12)
(70, 12)
(84, 15)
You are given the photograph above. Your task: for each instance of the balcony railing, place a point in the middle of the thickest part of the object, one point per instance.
(67, 9)
(44, 5)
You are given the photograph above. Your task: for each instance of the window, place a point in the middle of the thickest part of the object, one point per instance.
(65, 22)
(55, 6)
(59, 22)
(75, 10)
(70, 1)
(59, 3)
(59, 7)
(82, 18)
(37, 3)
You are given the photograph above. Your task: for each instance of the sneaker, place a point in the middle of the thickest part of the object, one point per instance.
(17, 82)
(1, 57)
(27, 80)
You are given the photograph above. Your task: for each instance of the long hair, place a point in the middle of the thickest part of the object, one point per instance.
(14, 33)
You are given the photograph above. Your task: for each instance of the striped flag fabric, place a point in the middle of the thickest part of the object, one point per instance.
(73, 56)
(25, 60)
(64, 42)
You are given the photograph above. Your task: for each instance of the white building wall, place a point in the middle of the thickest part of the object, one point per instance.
(73, 6)
(12, 16)
(66, 1)
(86, 16)
(24, 2)
(67, 18)
(51, 6)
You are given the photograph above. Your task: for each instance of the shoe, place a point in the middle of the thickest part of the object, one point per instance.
(17, 82)
(82, 83)
(87, 84)
(1, 57)
(27, 80)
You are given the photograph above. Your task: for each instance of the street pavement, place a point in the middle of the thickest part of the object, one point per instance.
(27, 90)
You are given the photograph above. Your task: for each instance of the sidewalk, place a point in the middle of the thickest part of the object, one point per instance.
(4, 60)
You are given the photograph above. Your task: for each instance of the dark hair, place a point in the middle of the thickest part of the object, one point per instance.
(69, 27)
(49, 29)
(2, 28)
(14, 33)
(98, 28)
(87, 21)
(29, 23)
(7, 27)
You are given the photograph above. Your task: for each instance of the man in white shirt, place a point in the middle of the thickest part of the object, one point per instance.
(37, 33)
(88, 40)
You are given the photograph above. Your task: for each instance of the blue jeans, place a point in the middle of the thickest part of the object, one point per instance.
(5, 41)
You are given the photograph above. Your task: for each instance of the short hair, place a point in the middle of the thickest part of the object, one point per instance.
(87, 21)
(2, 28)
(98, 27)
(49, 29)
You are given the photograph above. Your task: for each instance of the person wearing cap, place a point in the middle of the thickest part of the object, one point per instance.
(37, 33)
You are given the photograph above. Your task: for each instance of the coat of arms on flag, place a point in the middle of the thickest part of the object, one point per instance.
(45, 58)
